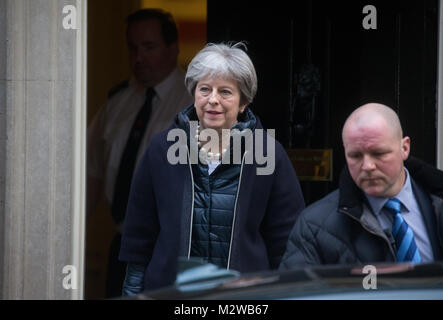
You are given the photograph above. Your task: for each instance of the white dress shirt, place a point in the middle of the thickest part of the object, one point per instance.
(110, 128)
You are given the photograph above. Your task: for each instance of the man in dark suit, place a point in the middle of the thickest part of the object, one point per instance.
(388, 208)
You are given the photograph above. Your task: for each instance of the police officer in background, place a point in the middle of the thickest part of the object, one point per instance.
(135, 111)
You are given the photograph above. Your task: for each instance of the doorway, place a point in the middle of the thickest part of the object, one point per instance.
(316, 63)
(108, 66)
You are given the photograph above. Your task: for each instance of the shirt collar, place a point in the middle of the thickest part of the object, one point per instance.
(163, 88)
(405, 196)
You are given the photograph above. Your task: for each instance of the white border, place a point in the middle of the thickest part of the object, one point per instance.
(440, 90)
(79, 175)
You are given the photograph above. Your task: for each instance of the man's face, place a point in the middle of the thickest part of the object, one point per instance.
(375, 158)
(150, 58)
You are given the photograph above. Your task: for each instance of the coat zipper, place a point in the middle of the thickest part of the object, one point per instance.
(192, 206)
(438, 222)
(235, 210)
(389, 244)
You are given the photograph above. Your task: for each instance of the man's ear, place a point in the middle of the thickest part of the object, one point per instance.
(405, 147)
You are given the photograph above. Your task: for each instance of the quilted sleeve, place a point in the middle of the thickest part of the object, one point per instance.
(302, 248)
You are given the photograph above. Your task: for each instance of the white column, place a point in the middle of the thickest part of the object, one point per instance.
(79, 165)
(2, 133)
(45, 124)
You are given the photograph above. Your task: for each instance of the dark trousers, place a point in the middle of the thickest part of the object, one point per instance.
(116, 270)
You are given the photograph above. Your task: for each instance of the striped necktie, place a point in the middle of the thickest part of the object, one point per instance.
(404, 237)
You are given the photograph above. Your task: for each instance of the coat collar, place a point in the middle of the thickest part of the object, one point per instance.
(426, 175)
(351, 197)
(246, 120)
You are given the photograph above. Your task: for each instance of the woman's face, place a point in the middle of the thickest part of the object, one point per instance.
(217, 102)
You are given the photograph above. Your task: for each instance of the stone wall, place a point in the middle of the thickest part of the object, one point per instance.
(2, 130)
(38, 83)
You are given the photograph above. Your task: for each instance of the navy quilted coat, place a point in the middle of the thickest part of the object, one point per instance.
(159, 225)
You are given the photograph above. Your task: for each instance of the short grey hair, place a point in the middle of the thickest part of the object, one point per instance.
(226, 61)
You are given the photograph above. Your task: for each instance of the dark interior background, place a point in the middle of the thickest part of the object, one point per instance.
(316, 59)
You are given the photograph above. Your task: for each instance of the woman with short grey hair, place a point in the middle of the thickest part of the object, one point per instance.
(217, 209)
(227, 62)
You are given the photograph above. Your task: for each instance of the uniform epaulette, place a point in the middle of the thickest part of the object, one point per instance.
(117, 88)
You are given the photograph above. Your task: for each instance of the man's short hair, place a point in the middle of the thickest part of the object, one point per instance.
(167, 23)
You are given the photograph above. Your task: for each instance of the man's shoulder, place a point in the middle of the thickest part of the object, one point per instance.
(324, 220)
(118, 88)
(427, 176)
(321, 209)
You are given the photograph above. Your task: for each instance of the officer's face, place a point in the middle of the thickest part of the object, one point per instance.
(375, 158)
(150, 58)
